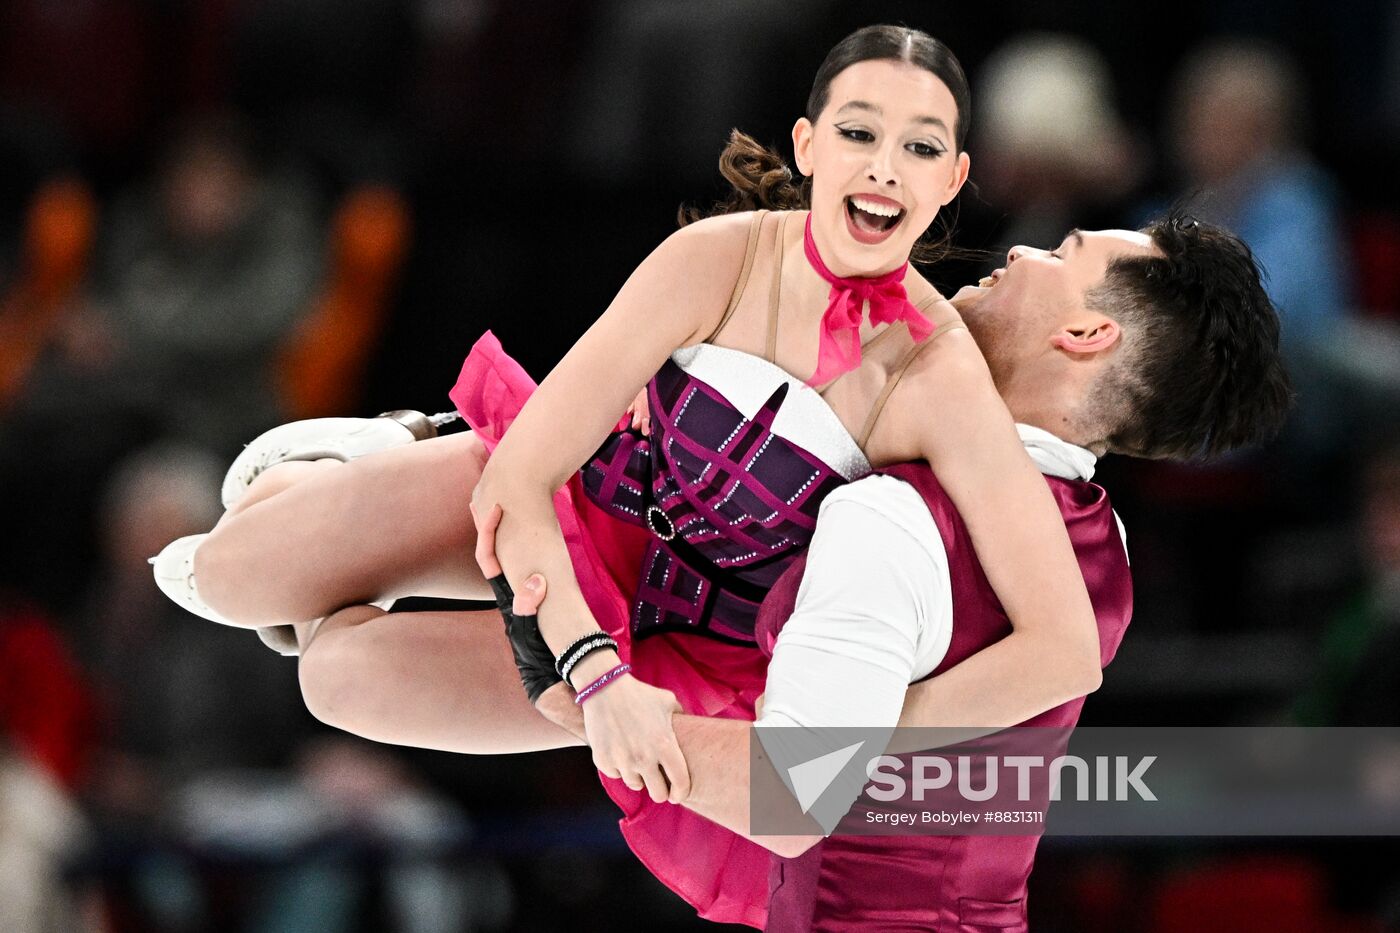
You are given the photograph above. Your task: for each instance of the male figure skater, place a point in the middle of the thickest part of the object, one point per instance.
(1160, 343)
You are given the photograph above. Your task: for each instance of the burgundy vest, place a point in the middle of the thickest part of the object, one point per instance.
(946, 882)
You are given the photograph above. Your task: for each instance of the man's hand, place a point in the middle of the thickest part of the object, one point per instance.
(556, 703)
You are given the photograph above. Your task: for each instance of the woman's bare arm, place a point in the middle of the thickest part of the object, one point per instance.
(670, 300)
(969, 439)
(673, 299)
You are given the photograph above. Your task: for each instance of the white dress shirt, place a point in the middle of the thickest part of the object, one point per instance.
(874, 611)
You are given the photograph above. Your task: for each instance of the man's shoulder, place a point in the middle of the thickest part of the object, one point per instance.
(1081, 502)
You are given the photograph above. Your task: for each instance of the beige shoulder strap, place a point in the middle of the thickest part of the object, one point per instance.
(770, 347)
(904, 363)
(754, 226)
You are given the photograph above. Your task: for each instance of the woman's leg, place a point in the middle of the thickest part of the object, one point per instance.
(313, 538)
(443, 680)
(272, 481)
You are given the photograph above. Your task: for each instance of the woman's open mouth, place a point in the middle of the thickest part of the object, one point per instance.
(872, 219)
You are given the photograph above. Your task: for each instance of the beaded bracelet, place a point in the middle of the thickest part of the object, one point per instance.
(576, 650)
(601, 682)
(575, 643)
(598, 644)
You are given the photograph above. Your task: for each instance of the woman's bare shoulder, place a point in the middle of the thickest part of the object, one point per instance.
(951, 362)
(721, 238)
(691, 273)
(920, 290)
(702, 262)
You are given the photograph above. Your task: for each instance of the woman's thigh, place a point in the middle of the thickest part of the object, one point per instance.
(443, 680)
(391, 524)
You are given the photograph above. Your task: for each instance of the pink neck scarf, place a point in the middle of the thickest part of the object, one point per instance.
(839, 351)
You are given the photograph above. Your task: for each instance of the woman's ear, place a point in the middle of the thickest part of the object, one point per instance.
(802, 135)
(959, 177)
(1093, 336)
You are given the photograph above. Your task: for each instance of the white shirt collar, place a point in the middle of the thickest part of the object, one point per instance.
(1057, 457)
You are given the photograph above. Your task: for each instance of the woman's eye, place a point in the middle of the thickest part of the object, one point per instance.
(925, 150)
(860, 136)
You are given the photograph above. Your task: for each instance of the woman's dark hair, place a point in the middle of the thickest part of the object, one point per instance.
(758, 176)
(1204, 375)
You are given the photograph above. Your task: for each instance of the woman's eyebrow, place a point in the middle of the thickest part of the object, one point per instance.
(873, 108)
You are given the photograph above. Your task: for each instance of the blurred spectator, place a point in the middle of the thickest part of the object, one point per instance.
(1235, 130)
(41, 831)
(350, 811)
(207, 748)
(199, 278)
(180, 695)
(1237, 124)
(45, 744)
(1052, 150)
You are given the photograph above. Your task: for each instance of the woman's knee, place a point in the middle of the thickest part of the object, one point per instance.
(217, 574)
(330, 669)
(277, 478)
(245, 571)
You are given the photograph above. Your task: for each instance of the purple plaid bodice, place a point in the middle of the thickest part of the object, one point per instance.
(740, 456)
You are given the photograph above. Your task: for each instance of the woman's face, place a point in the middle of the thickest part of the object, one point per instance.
(883, 160)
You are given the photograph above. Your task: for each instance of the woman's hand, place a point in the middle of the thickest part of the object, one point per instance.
(486, 525)
(640, 410)
(628, 725)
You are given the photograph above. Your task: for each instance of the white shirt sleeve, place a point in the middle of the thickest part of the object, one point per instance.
(873, 611)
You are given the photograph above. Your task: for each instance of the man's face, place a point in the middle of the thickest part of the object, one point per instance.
(1017, 310)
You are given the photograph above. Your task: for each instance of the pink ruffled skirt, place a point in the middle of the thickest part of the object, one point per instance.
(721, 874)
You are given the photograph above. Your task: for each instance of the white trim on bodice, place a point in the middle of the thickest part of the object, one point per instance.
(805, 419)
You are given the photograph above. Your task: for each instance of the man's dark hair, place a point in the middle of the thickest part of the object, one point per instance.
(1201, 373)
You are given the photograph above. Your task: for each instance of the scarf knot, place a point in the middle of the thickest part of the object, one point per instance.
(839, 350)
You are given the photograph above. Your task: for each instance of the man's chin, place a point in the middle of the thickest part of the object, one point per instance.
(967, 297)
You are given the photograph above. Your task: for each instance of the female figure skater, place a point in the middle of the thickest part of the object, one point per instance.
(720, 493)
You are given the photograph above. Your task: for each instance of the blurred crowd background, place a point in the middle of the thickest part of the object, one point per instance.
(218, 215)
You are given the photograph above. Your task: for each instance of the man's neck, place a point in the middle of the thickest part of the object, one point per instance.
(1049, 404)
